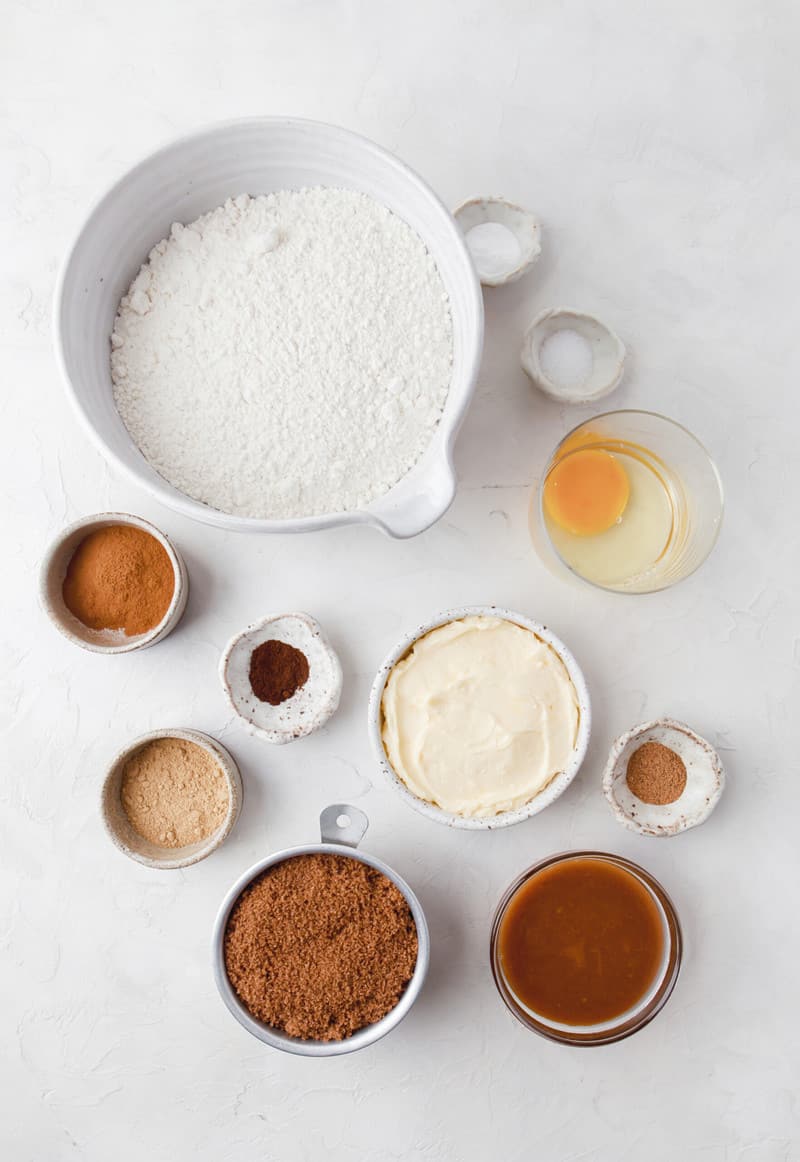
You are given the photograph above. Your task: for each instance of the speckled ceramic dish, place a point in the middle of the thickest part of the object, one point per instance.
(313, 703)
(548, 794)
(151, 855)
(705, 779)
(51, 582)
(342, 828)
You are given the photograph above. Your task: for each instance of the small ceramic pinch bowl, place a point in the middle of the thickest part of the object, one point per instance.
(550, 792)
(310, 706)
(493, 266)
(606, 348)
(54, 569)
(153, 855)
(705, 779)
(342, 828)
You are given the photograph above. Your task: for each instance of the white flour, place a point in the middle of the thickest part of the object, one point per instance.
(286, 355)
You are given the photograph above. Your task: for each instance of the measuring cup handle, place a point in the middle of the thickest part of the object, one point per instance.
(341, 823)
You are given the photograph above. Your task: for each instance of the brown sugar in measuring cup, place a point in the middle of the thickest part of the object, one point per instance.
(320, 946)
(341, 935)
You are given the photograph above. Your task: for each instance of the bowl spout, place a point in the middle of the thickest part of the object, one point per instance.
(407, 511)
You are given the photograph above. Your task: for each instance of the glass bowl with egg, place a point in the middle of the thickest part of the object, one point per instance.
(630, 501)
(480, 718)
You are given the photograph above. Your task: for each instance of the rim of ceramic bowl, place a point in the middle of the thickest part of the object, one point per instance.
(551, 791)
(363, 1037)
(57, 558)
(233, 780)
(628, 1023)
(181, 502)
(537, 503)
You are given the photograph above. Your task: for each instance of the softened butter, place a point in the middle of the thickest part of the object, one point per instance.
(479, 716)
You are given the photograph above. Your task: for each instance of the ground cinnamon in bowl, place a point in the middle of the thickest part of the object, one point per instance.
(320, 946)
(119, 578)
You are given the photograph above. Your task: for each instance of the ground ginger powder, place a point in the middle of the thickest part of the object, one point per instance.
(174, 792)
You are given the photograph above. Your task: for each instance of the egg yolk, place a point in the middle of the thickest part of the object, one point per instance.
(586, 492)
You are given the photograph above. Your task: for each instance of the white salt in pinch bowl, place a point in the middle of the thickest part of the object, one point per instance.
(141, 850)
(51, 581)
(606, 348)
(705, 780)
(310, 707)
(500, 260)
(548, 794)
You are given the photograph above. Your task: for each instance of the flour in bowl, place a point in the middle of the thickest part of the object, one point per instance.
(286, 355)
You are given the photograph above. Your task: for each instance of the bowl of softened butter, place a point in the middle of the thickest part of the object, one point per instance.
(480, 718)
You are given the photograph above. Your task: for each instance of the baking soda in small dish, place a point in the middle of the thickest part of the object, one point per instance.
(566, 360)
(285, 356)
(494, 248)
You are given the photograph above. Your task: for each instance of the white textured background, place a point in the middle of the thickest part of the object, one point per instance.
(659, 143)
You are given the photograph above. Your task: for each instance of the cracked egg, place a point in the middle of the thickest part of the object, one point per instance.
(700, 793)
(282, 677)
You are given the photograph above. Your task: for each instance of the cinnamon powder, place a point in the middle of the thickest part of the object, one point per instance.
(656, 774)
(120, 578)
(320, 945)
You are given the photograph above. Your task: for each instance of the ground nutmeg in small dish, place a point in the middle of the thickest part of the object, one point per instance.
(320, 945)
(277, 671)
(656, 774)
(174, 792)
(119, 578)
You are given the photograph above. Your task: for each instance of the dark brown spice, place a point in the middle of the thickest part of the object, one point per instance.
(656, 774)
(320, 946)
(277, 671)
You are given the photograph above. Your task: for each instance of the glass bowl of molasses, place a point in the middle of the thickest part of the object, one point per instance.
(585, 948)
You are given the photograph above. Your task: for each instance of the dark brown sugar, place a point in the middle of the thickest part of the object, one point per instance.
(320, 946)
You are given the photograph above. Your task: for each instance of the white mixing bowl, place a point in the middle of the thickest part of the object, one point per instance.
(196, 174)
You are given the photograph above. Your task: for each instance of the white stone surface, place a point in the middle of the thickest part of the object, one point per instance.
(659, 144)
